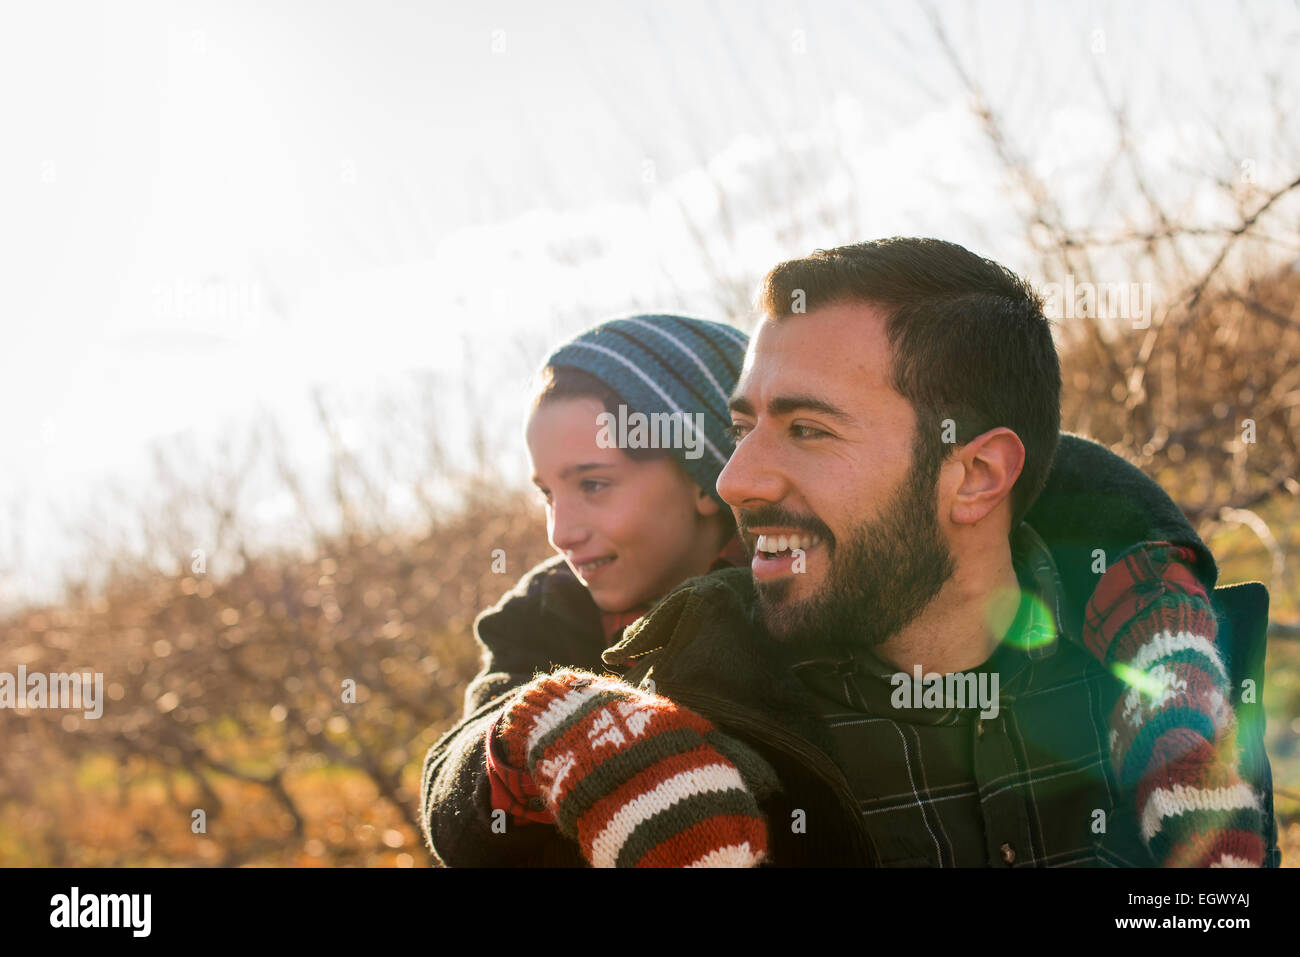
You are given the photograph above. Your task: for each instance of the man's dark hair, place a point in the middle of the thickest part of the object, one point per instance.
(968, 337)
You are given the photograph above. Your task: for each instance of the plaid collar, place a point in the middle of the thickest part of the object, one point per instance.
(863, 682)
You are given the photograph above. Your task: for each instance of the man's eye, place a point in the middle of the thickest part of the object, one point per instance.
(592, 485)
(545, 495)
(806, 432)
(736, 431)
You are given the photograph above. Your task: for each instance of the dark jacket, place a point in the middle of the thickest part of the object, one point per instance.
(698, 648)
(1093, 500)
(546, 621)
(701, 648)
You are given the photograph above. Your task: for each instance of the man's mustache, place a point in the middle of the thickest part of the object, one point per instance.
(748, 518)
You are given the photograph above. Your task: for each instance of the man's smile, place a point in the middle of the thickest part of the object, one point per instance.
(773, 545)
(780, 553)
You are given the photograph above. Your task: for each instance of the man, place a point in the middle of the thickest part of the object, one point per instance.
(895, 421)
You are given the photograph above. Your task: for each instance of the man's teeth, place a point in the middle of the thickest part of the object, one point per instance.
(776, 544)
(597, 563)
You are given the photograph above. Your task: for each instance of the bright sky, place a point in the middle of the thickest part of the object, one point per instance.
(206, 208)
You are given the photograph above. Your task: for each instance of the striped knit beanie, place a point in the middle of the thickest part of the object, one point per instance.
(668, 364)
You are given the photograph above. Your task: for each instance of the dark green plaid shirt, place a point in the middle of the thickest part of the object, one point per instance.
(943, 787)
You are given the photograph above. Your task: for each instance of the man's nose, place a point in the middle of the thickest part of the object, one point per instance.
(752, 474)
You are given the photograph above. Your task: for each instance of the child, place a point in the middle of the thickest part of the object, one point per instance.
(629, 524)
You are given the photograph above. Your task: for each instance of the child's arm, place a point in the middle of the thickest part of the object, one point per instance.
(547, 620)
(1173, 731)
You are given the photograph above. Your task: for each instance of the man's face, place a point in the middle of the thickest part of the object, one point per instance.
(824, 462)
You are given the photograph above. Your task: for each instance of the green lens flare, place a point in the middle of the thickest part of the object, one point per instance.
(1147, 684)
(1034, 625)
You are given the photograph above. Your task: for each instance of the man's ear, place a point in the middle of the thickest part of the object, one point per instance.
(991, 463)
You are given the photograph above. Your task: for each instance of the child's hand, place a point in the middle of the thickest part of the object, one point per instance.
(636, 780)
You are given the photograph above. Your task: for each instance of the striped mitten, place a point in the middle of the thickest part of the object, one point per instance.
(636, 780)
(1173, 732)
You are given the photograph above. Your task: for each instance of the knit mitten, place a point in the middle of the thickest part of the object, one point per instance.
(1173, 732)
(636, 780)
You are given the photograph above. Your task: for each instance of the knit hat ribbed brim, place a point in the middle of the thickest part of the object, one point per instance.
(668, 364)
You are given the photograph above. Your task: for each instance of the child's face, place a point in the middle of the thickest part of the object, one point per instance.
(631, 531)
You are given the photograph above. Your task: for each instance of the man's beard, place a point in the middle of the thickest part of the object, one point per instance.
(880, 577)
